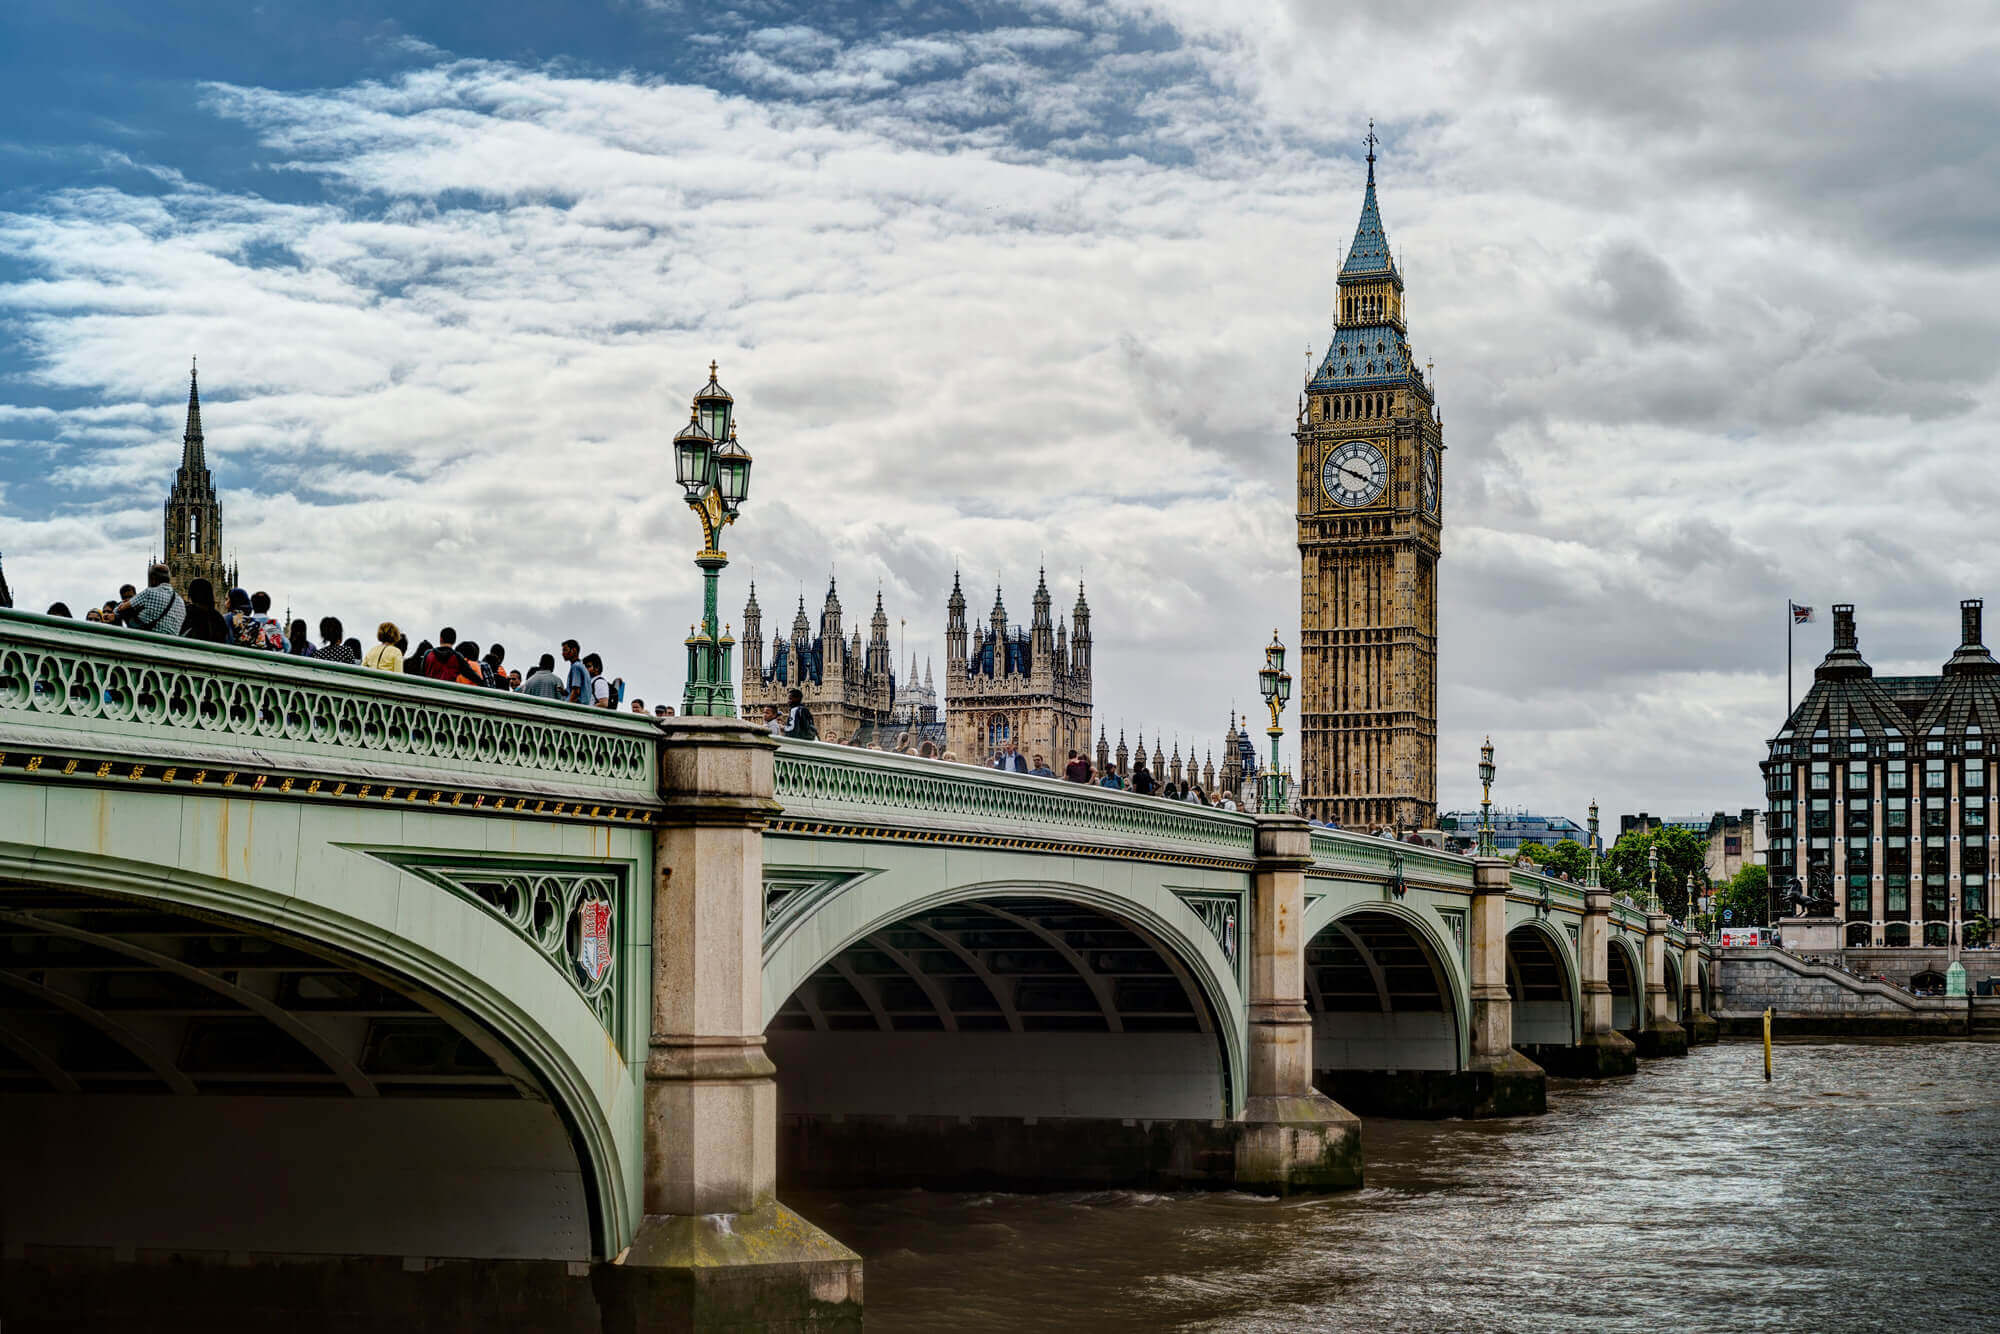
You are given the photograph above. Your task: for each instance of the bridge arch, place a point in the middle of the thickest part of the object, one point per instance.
(1543, 985)
(435, 1054)
(1016, 996)
(1625, 970)
(1386, 992)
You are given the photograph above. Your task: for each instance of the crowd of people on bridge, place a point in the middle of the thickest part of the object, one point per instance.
(796, 722)
(244, 620)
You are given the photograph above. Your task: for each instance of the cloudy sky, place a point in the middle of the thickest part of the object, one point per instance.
(1710, 290)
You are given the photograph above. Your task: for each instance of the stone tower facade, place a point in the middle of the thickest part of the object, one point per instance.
(847, 684)
(1031, 687)
(192, 543)
(1370, 479)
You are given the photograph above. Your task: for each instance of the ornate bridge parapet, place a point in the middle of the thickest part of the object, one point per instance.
(102, 703)
(823, 786)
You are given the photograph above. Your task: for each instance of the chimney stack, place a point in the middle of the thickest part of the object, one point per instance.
(1843, 626)
(1968, 619)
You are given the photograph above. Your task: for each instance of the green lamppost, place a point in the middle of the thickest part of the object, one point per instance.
(714, 473)
(1487, 847)
(1591, 881)
(1275, 684)
(1653, 878)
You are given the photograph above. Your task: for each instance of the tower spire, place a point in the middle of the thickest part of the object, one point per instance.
(194, 459)
(1371, 141)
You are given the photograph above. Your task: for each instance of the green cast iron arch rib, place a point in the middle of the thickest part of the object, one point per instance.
(38, 1060)
(155, 1060)
(1558, 942)
(367, 946)
(1439, 952)
(358, 1084)
(1170, 924)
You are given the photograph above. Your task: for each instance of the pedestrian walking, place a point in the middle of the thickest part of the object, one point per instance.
(601, 694)
(385, 656)
(799, 724)
(578, 680)
(331, 648)
(158, 609)
(443, 663)
(202, 621)
(542, 681)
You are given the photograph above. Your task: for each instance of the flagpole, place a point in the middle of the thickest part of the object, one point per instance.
(1791, 620)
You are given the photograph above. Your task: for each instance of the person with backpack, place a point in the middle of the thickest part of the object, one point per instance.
(799, 724)
(601, 695)
(442, 662)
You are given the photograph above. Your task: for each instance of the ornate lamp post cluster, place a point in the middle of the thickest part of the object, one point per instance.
(1275, 684)
(714, 473)
(1487, 847)
(1653, 878)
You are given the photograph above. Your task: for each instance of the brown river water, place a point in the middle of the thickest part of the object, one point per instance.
(1860, 1190)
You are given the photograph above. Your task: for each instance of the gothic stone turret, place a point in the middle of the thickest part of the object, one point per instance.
(192, 545)
(1031, 687)
(848, 684)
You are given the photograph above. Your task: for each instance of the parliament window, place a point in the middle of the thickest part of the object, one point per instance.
(1857, 779)
(1896, 893)
(1896, 779)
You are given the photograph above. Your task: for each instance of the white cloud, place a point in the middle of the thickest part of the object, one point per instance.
(990, 298)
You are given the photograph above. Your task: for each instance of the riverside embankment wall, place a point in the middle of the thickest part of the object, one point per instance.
(1810, 998)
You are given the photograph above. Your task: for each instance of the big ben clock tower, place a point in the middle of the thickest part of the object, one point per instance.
(1371, 477)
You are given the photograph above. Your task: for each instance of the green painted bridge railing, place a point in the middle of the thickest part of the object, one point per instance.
(70, 684)
(835, 785)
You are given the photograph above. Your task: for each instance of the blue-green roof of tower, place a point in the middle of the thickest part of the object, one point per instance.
(1370, 252)
(1368, 354)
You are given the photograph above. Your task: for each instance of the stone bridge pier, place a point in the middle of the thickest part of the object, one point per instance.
(1601, 1051)
(1700, 1025)
(1506, 1083)
(715, 1247)
(1660, 1035)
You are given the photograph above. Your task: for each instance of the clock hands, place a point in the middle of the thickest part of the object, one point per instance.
(1360, 478)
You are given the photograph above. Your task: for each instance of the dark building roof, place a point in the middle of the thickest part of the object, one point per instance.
(1848, 699)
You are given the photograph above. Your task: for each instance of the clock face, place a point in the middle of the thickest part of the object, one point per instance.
(1430, 481)
(1354, 474)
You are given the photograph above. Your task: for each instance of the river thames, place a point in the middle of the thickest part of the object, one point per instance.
(1855, 1192)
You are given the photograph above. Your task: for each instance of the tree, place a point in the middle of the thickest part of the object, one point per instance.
(1569, 858)
(1747, 896)
(1532, 850)
(1682, 853)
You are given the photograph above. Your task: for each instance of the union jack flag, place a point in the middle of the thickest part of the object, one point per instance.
(1800, 615)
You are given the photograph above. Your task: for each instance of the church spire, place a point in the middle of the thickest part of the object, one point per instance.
(194, 458)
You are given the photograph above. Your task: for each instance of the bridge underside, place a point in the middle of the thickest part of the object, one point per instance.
(1385, 1020)
(173, 1084)
(1016, 1040)
(1627, 995)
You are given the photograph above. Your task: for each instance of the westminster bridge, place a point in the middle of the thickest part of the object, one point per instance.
(306, 964)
